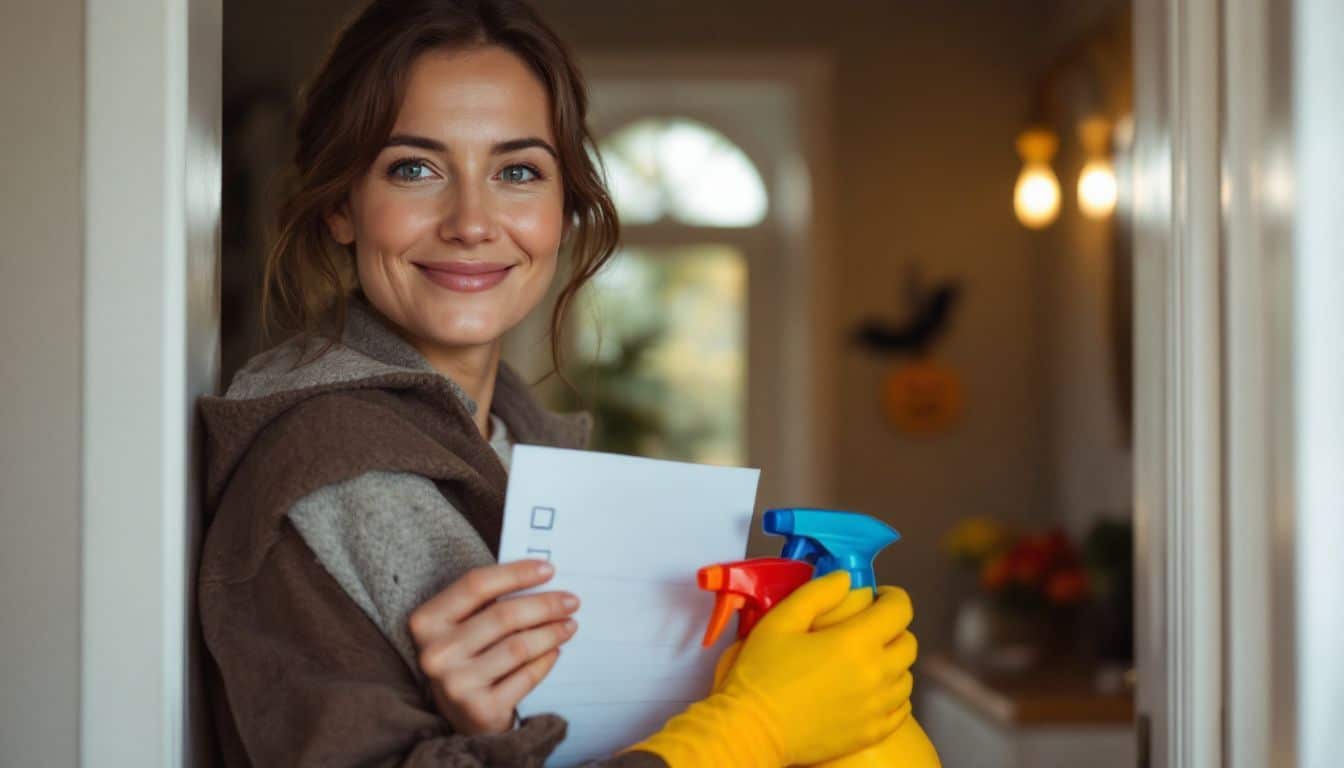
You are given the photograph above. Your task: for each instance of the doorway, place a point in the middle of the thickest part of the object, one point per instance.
(1236, 275)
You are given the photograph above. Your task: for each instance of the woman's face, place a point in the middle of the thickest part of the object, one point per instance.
(458, 221)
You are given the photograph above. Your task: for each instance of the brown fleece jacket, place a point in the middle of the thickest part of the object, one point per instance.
(297, 674)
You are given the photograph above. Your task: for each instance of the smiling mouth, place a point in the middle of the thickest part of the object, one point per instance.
(465, 277)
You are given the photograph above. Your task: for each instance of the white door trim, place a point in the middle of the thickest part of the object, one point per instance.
(1178, 383)
(1257, 248)
(152, 115)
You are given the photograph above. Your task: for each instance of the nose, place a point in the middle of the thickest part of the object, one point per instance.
(468, 220)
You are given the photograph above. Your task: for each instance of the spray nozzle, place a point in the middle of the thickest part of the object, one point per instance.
(749, 588)
(832, 540)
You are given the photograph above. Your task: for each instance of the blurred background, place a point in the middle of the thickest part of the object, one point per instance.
(879, 252)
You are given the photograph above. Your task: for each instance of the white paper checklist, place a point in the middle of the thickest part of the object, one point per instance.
(627, 536)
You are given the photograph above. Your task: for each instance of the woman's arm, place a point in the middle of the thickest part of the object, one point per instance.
(303, 676)
(389, 540)
(392, 541)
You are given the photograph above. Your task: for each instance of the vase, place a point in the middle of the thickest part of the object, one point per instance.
(973, 631)
(990, 636)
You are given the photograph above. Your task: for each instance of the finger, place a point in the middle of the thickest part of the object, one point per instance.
(438, 658)
(522, 648)
(796, 612)
(886, 618)
(900, 654)
(459, 648)
(474, 590)
(880, 727)
(897, 718)
(897, 693)
(461, 687)
(507, 617)
(511, 690)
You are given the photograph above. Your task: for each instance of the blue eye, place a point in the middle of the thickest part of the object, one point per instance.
(519, 174)
(409, 170)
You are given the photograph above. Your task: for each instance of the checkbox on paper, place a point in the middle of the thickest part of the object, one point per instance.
(540, 554)
(543, 518)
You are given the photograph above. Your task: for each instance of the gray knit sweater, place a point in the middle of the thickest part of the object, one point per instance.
(390, 539)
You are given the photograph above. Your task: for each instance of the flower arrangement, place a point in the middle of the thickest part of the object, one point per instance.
(1024, 572)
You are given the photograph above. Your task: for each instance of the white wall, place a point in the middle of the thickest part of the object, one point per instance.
(41, 267)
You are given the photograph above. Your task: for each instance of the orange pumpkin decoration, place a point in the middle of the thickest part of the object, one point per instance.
(922, 397)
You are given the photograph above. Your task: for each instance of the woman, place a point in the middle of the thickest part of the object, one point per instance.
(348, 586)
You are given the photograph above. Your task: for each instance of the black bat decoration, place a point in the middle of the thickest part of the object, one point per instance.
(925, 320)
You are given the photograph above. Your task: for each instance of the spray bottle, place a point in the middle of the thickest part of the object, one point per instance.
(833, 540)
(748, 588)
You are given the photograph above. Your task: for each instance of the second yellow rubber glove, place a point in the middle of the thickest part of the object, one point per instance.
(794, 696)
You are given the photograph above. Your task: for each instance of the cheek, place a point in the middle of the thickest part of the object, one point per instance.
(388, 225)
(537, 230)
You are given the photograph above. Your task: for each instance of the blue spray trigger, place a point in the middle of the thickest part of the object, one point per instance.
(833, 540)
(802, 548)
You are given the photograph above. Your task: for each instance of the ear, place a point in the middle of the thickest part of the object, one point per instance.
(340, 225)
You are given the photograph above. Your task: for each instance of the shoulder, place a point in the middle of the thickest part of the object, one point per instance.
(260, 465)
(318, 436)
(303, 363)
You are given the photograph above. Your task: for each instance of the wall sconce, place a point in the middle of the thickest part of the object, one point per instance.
(1095, 75)
(1096, 183)
(1036, 195)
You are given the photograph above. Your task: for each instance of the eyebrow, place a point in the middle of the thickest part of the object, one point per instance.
(503, 147)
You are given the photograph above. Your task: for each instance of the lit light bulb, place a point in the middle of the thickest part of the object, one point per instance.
(1036, 195)
(1097, 189)
(1096, 183)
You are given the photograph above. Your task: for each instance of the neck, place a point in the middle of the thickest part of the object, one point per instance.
(473, 369)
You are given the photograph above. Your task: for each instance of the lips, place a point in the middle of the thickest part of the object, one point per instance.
(464, 276)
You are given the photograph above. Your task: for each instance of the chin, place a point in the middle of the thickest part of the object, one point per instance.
(456, 330)
(449, 321)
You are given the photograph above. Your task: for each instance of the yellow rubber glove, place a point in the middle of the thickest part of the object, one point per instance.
(909, 746)
(798, 696)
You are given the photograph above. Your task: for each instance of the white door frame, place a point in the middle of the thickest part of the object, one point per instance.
(151, 334)
(1178, 383)
(1258, 258)
(1239, 381)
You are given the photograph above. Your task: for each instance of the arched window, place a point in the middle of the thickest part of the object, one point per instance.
(680, 169)
(661, 338)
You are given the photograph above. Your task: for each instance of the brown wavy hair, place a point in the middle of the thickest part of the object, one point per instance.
(347, 113)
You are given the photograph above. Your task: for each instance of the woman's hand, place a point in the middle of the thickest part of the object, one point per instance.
(828, 691)
(483, 655)
(798, 696)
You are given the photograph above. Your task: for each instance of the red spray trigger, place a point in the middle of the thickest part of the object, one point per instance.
(750, 588)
